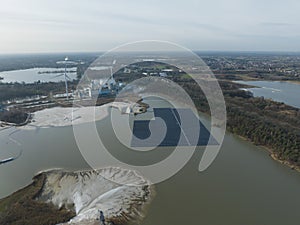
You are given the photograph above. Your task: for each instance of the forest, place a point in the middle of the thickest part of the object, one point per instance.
(262, 121)
(18, 90)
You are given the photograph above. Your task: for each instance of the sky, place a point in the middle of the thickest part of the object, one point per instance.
(30, 26)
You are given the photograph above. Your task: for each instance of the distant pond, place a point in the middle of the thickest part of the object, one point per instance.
(279, 91)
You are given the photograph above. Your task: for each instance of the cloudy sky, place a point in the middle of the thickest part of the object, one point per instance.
(97, 25)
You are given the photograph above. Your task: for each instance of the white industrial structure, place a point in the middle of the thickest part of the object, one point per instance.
(101, 87)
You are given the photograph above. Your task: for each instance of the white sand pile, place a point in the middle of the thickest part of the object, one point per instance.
(90, 191)
(59, 117)
(63, 116)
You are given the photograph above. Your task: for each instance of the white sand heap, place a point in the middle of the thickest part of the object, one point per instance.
(67, 116)
(59, 117)
(91, 191)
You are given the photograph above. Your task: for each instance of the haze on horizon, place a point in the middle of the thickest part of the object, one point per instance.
(29, 26)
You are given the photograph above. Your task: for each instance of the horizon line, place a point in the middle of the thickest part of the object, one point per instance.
(195, 51)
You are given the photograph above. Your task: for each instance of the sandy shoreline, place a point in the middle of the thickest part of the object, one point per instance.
(283, 162)
(293, 82)
(272, 154)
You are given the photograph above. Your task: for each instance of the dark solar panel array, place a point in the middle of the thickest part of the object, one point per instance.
(182, 130)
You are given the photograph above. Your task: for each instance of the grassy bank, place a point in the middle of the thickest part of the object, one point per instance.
(21, 208)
